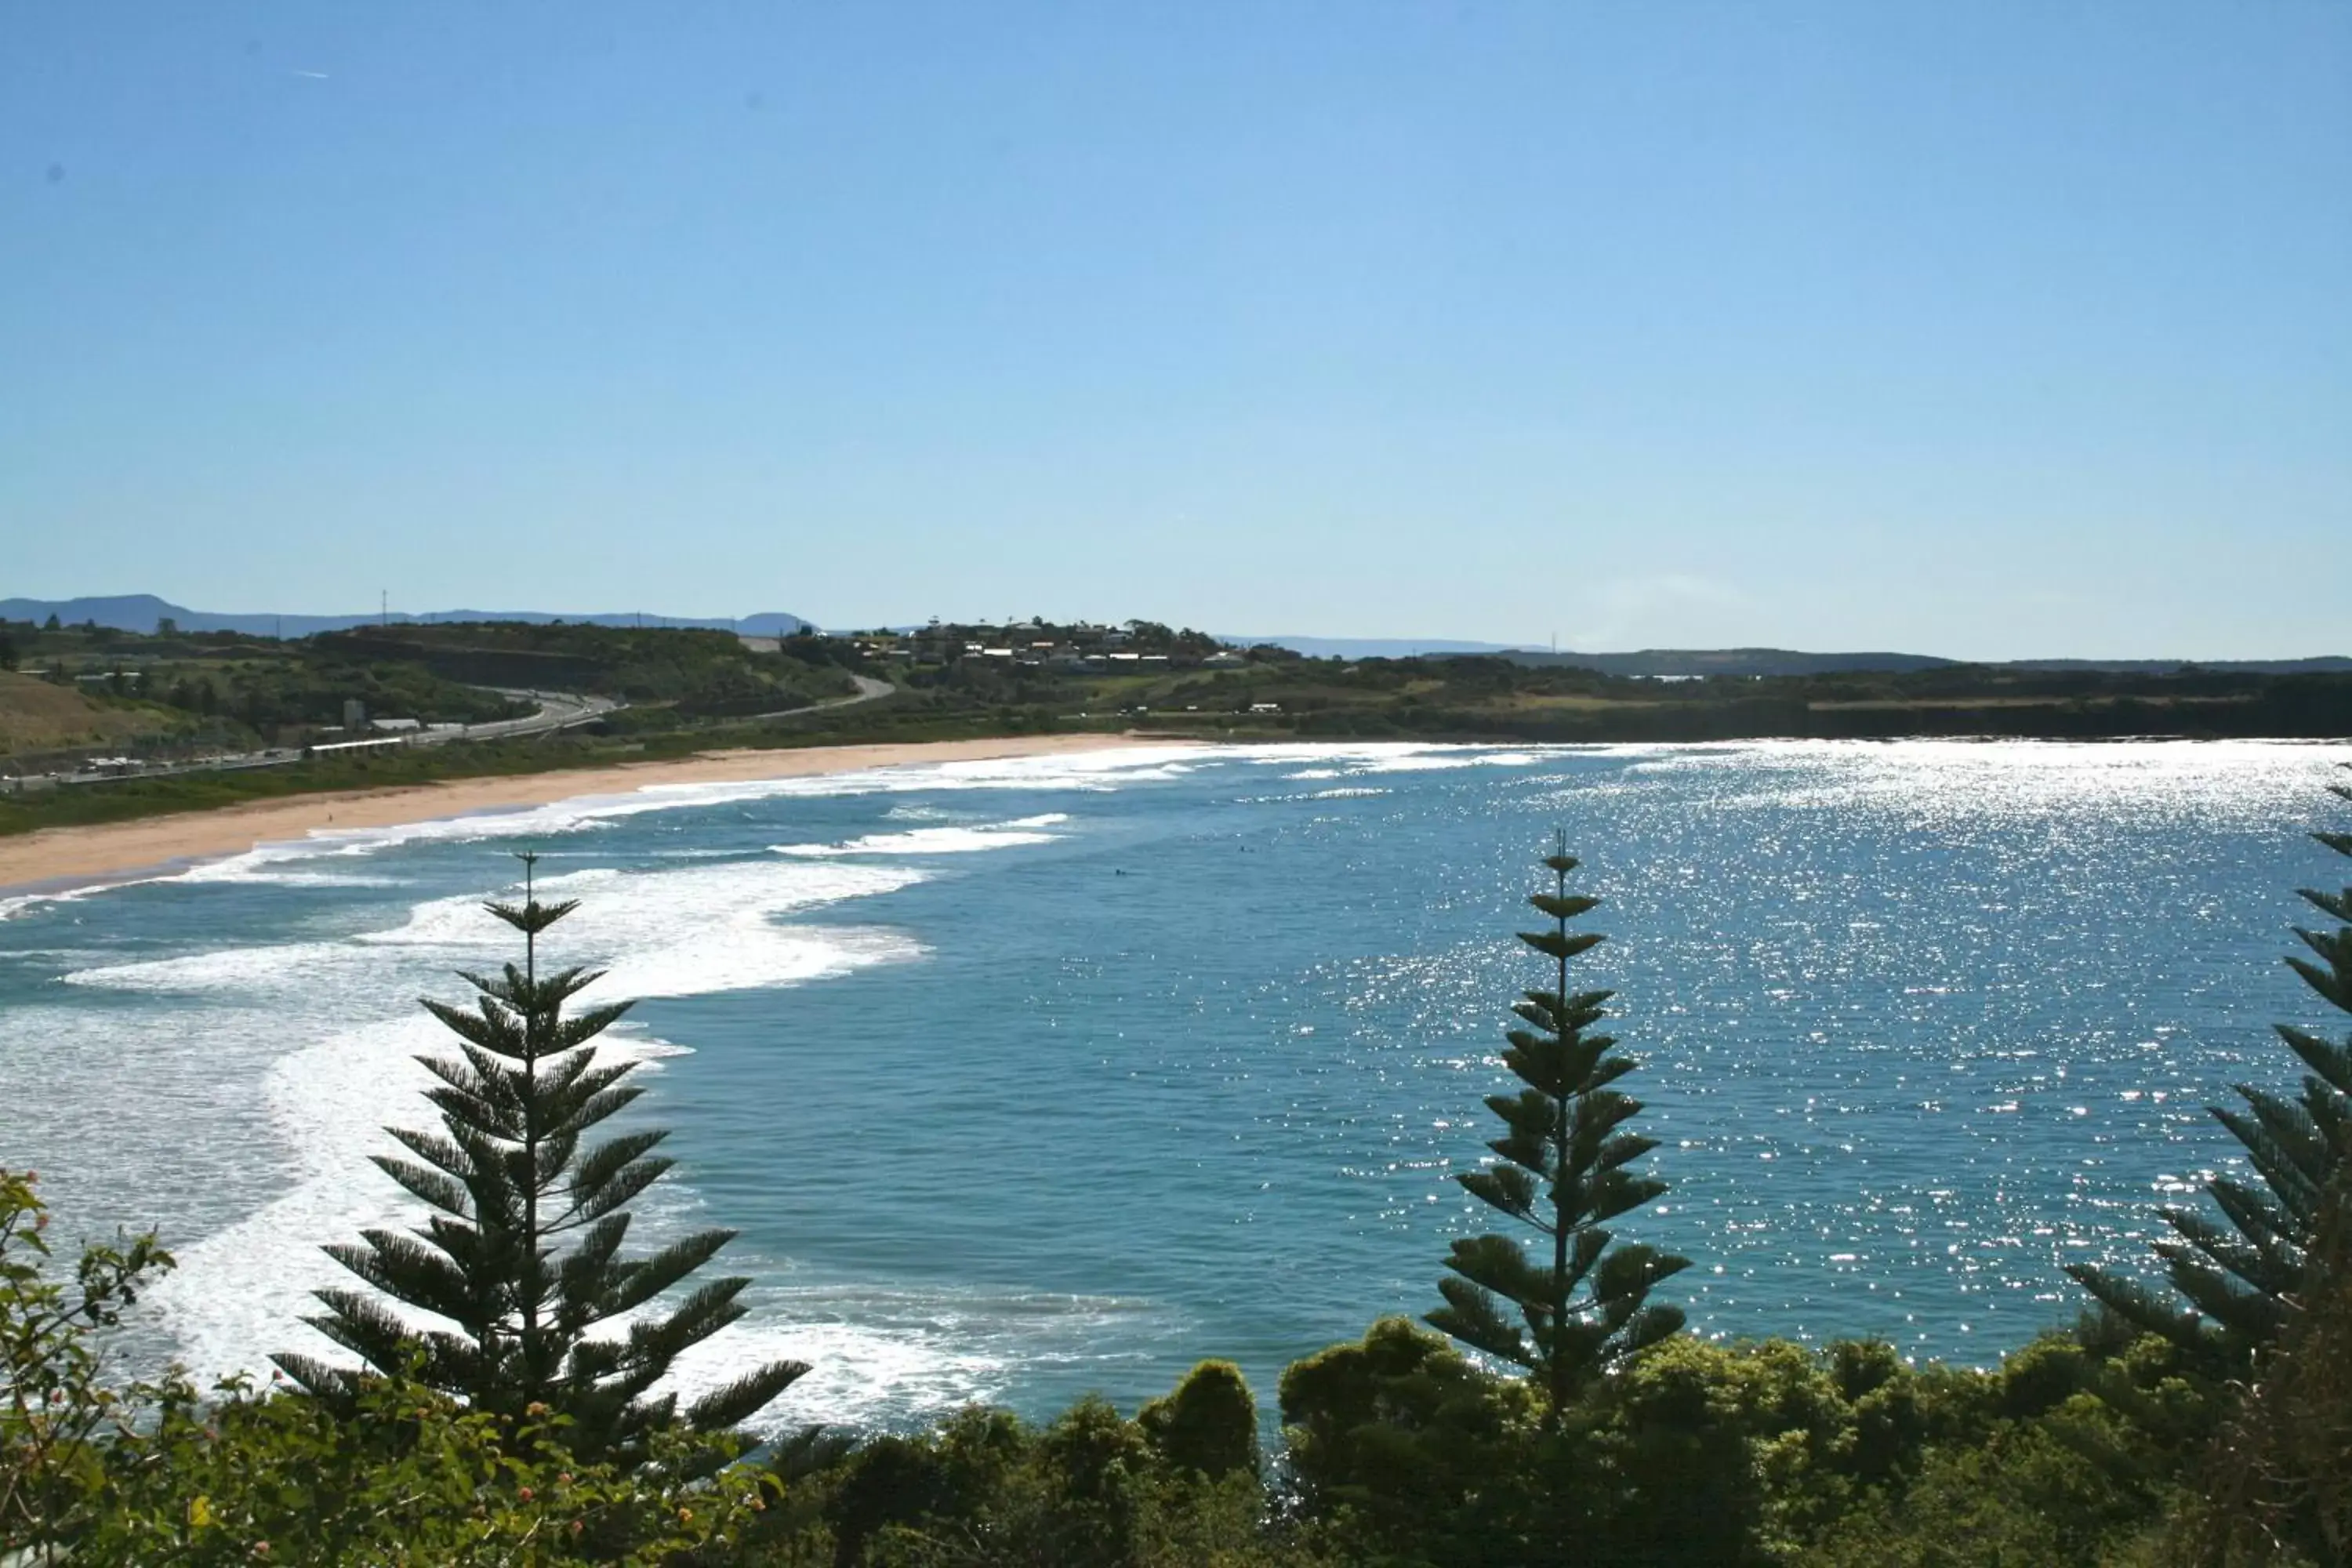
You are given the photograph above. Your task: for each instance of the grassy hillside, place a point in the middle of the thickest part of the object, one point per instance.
(37, 715)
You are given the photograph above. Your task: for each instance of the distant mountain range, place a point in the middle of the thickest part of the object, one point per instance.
(140, 612)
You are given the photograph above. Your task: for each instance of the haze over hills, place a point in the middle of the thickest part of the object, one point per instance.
(140, 612)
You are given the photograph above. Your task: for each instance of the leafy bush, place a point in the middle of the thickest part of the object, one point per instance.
(55, 1410)
(405, 1476)
(1208, 1424)
(159, 1474)
(1089, 1490)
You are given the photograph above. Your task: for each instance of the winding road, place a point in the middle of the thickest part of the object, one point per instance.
(868, 689)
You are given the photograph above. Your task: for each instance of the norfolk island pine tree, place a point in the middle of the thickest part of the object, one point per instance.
(522, 1250)
(2236, 1278)
(1561, 1172)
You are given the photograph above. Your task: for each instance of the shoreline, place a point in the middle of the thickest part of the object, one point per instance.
(56, 859)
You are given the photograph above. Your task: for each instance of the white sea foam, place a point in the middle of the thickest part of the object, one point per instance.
(266, 972)
(663, 934)
(173, 1088)
(19, 904)
(1408, 757)
(858, 1376)
(882, 1356)
(685, 931)
(271, 865)
(293, 878)
(689, 931)
(1088, 771)
(937, 840)
(1443, 759)
(1320, 754)
(240, 1291)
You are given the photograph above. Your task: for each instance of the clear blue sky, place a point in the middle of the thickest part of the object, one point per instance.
(1983, 329)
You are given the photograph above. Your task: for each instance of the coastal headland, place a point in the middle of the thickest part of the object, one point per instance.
(101, 726)
(103, 851)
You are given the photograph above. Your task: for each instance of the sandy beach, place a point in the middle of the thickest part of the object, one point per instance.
(58, 856)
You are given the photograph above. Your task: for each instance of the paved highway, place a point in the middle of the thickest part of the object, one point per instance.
(868, 689)
(557, 711)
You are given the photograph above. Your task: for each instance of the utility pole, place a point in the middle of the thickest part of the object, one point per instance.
(384, 607)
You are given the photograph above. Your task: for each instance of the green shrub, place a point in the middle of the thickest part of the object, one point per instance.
(1208, 1423)
(1091, 1489)
(159, 1474)
(407, 1477)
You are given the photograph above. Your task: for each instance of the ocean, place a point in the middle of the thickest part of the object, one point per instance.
(1028, 1078)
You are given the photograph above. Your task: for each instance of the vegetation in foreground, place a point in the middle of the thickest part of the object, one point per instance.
(2214, 1429)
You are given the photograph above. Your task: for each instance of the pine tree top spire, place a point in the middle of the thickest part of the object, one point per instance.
(530, 917)
(1559, 859)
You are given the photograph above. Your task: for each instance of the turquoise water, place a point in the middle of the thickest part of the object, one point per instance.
(1021, 1079)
